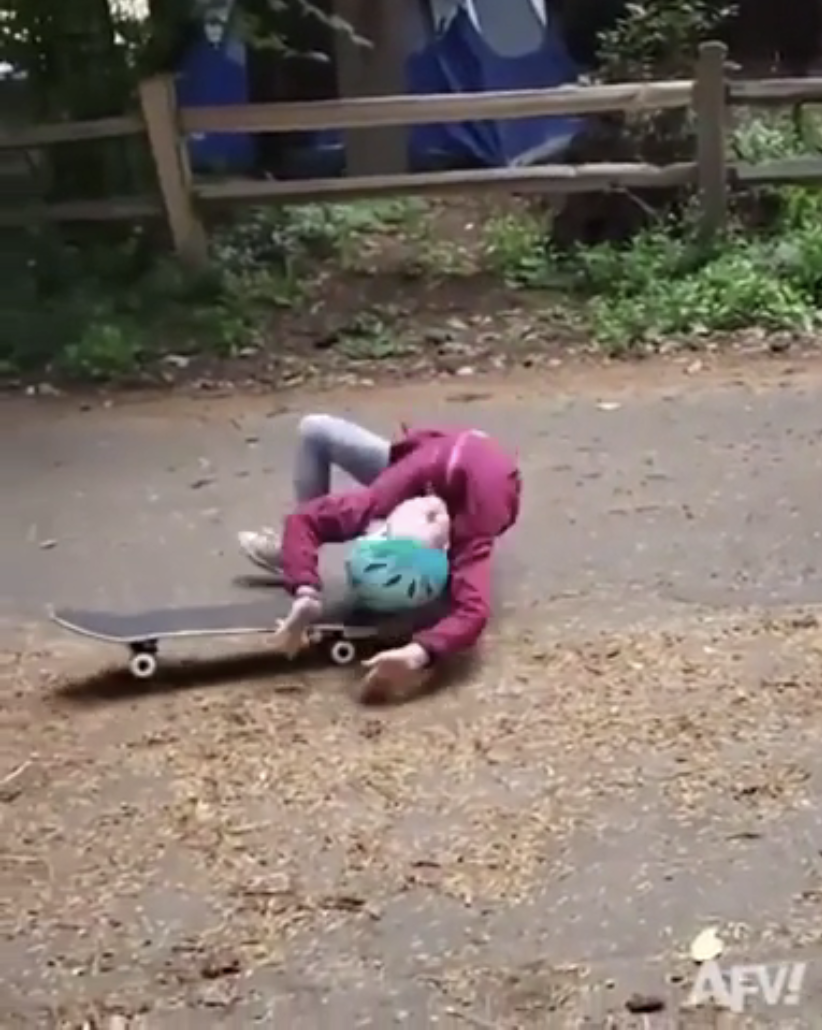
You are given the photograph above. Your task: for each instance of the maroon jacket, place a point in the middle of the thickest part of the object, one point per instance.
(480, 484)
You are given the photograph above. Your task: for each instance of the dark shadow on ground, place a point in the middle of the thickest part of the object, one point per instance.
(113, 685)
(116, 685)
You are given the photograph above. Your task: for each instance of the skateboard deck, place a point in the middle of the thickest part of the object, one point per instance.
(340, 627)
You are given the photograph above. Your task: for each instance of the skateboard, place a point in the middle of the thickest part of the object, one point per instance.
(340, 632)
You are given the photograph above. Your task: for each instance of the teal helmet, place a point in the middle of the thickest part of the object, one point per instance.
(395, 574)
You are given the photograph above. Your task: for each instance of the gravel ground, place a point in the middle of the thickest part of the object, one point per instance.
(632, 757)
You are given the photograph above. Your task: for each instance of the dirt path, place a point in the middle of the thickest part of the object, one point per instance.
(634, 759)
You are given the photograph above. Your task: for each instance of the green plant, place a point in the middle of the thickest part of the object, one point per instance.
(286, 238)
(774, 138)
(440, 259)
(648, 292)
(760, 138)
(369, 337)
(731, 293)
(658, 39)
(766, 271)
(619, 271)
(106, 350)
(515, 248)
(93, 305)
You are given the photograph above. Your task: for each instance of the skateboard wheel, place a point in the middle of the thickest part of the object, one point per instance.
(343, 652)
(142, 666)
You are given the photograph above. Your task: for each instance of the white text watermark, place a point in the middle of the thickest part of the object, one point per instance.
(775, 983)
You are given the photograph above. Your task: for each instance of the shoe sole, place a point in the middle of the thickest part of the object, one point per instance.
(261, 563)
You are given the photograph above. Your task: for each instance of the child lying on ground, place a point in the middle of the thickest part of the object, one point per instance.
(478, 483)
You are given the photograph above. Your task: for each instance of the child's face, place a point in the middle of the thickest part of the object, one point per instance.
(422, 518)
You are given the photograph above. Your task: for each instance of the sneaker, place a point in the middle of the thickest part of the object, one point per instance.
(263, 548)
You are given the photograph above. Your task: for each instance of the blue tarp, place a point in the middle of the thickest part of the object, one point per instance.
(214, 73)
(464, 46)
(459, 57)
(463, 59)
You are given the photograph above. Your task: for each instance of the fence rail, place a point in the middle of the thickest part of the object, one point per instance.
(378, 112)
(71, 132)
(180, 198)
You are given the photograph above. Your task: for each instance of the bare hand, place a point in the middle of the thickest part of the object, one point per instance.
(395, 674)
(292, 634)
(289, 640)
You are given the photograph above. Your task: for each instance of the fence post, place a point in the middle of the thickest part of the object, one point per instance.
(367, 71)
(710, 106)
(159, 103)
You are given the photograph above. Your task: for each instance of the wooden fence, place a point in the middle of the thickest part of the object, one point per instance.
(181, 198)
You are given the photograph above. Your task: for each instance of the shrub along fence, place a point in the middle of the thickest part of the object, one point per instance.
(181, 199)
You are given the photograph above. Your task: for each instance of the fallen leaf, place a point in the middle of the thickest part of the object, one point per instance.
(707, 946)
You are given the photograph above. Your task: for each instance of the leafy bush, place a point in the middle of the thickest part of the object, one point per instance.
(660, 286)
(652, 41)
(766, 272)
(99, 308)
(658, 39)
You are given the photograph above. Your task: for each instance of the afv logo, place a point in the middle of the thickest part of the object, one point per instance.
(777, 983)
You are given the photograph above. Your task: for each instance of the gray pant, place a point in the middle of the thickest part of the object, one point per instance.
(326, 442)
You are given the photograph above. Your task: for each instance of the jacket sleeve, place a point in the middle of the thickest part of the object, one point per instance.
(336, 518)
(470, 605)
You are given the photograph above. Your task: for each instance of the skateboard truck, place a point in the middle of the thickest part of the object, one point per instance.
(143, 662)
(342, 649)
